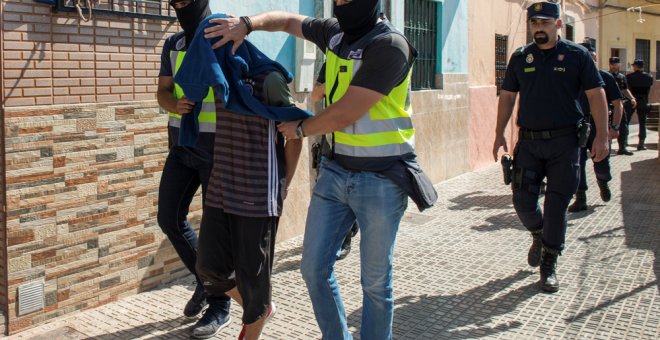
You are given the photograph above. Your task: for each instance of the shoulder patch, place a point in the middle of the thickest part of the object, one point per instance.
(335, 40)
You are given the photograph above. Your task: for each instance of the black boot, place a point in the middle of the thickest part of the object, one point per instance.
(641, 147)
(580, 203)
(624, 151)
(549, 282)
(605, 193)
(534, 254)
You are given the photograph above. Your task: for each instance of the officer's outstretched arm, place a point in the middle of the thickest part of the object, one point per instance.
(354, 104)
(598, 105)
(235, 29)
(504, 111)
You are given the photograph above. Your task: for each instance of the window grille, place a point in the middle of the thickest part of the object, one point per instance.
(421, 28)
(643, 51)
(149, 9)
(501, 42)
(657, 60)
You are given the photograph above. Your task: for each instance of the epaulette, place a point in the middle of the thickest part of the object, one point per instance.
(519, 51)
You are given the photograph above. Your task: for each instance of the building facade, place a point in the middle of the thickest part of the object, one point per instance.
(497, 28)
(630, 29)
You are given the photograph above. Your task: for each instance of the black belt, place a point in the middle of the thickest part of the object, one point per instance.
(547, 134)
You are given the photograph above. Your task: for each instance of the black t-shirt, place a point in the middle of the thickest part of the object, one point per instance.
(550, 84)
(640, 84)
(620, 80)
(612, 92)
(385, 62)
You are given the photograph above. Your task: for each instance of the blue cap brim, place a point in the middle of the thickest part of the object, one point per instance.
(541, 16)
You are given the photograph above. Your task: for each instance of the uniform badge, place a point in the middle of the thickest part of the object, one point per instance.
(560, 57)
(357, 54)
(181, 43)
(530, 58)
(538, 7)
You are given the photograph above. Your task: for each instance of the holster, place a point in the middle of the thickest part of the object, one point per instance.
(583, 130)
(507, 168)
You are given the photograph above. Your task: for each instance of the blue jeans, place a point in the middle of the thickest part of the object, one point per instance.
(340, 197)
(183, 173)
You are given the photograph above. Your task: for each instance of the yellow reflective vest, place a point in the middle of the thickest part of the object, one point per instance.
(207, 114)
(386, 129)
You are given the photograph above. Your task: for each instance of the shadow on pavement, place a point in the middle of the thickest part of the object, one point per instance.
(164, 329)
(640, 203)
(467, 315)
(480, 202)
(502, 221)
(287, 260)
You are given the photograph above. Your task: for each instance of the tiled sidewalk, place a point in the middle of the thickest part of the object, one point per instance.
(460, 273)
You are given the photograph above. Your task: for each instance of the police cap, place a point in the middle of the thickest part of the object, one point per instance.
(589, 47)
(543, 10)
(638, 62)
(615, 60)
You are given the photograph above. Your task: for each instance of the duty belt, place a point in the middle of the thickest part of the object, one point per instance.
(547, 134)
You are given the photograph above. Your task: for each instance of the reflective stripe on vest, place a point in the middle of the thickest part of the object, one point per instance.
(207, 115)
(385, 130)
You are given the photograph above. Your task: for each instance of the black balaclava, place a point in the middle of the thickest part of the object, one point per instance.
(190, 17)
(357, 18)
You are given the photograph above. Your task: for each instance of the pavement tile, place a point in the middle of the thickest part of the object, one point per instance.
(460, 273)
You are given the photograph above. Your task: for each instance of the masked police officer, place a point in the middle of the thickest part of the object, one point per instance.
(187, 167)
(640, 84)
(602, 168)
(549, 74)
(368, 69)
(629, 104)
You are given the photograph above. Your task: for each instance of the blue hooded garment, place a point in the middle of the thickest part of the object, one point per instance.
(204, 67)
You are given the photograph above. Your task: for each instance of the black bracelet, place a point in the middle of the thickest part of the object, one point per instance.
(248, 23)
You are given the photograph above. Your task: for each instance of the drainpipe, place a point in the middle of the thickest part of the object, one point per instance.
(3, 207)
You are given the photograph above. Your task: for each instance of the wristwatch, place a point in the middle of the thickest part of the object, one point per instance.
(614, 127)
(299, 130)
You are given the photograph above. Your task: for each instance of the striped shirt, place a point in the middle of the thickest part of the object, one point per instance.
(249, 170)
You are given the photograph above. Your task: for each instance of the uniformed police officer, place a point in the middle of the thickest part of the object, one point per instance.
(549, 74)
(640, 84)
(602, 168)
(629, 104)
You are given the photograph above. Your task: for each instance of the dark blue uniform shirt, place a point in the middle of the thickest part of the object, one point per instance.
(640, 84)
(620, 80)
(550, 83)
(612, 92)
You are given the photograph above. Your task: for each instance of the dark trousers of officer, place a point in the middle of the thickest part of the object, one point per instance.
(624, 126)
(642, 112)
(556, 159)
(183, 173)
(602, 168)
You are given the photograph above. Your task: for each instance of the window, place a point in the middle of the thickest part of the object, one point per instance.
(621, 53)
(501, 42)
(150, 9)
(570, 33)
(421, 28)
(657, 60)
(643, 51)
